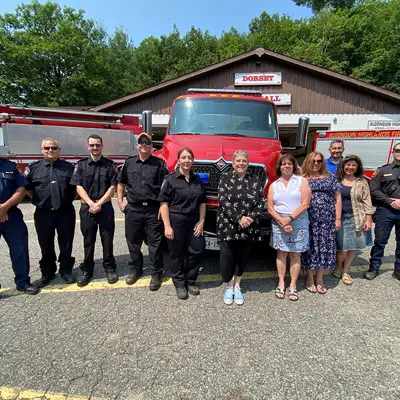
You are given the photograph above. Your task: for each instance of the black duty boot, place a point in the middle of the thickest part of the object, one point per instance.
(133, 277)
(84, 279)
(193, 290)
(155, 282)
(68, 277)
(112, 276)
(44, 281)
(370, 275)
(29, 289)
(182, 293)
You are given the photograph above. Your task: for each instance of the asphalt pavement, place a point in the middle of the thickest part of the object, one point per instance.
(126, 343)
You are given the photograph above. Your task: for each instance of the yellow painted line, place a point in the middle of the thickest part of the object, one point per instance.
(9, 393)
(144, 282)
(31, 221)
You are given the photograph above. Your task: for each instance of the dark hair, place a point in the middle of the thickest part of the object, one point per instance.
(350, 157)
(336, 141)
(180, 151)
(290, 158)
(95, 136)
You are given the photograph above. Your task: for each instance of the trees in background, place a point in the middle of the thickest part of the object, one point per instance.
(53, 56)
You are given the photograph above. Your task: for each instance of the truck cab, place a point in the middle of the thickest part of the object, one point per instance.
(215, 123)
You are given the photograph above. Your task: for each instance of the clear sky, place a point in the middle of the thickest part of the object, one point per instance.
(156, 17)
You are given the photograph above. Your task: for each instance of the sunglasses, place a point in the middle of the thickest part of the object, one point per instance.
(145, 141)
(50, 148)
(396, 151)
(317, 161)
(95, 145)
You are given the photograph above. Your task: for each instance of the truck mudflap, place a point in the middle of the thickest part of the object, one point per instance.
(211, 223)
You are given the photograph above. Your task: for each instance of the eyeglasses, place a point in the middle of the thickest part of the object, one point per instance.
(396, 151)
(145, 141)
(317, 161)
(95, 145)
(50, 148)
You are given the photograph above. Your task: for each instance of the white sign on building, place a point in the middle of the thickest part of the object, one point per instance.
(280, 99)
(382, 124)
(258, 79)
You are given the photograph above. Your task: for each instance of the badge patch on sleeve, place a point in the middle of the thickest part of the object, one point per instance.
(376, 173)
(19, 170)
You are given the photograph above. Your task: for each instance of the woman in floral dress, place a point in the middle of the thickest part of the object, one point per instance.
(324, 214)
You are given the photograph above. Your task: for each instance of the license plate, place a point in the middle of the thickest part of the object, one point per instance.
(212, 243)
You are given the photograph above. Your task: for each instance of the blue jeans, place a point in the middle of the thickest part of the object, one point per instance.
(15, 234)
(386, 218)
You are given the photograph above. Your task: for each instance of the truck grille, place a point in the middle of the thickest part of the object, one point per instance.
(215, 172)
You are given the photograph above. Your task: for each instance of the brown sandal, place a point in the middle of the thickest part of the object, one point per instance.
(279, 293)
(346, 279)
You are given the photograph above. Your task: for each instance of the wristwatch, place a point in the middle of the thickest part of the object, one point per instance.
(291, 217)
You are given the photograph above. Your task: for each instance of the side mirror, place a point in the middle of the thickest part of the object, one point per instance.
(147, 123)
(302, 132)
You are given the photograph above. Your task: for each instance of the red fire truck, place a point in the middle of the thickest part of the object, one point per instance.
(214, 124)
(374, 147)
(22, 130)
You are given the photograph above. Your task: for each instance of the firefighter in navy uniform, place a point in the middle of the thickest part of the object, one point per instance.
(183, 210)
(51, 192)
(12, 225)
(143, 175)
(95, 178)
(385, 193)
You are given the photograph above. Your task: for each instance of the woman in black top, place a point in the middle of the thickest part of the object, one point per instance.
(241, 201)
(183, 210)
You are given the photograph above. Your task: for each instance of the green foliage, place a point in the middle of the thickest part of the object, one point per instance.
(54, 56)
(50, 56)
(319, 5)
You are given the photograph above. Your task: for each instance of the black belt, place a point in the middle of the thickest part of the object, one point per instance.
(146, 203)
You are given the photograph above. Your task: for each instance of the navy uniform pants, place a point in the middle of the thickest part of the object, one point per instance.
(104, 220)
(386, 218)
(47, 223)
(140, 222)
(15, 234)
(186, 250)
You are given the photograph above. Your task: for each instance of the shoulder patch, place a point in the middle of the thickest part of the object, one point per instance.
(35, 162)
(19, 170)
(377, 172)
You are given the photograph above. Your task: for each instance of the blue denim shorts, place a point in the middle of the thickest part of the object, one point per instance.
(349, 239)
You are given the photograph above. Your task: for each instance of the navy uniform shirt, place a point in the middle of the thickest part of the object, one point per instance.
(10, 179)
(385, 184)
(183, 197)
(96, 177)
(143, 178)
(38, 176)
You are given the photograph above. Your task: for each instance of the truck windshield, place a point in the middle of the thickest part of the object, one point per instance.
(221, 116)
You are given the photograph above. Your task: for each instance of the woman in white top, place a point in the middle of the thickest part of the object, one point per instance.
(288, 199)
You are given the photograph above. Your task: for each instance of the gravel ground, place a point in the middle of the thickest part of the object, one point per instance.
(129, 343)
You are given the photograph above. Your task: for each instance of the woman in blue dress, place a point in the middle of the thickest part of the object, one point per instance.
(324, 215)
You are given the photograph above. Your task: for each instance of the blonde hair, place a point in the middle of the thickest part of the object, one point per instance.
(308, 162)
